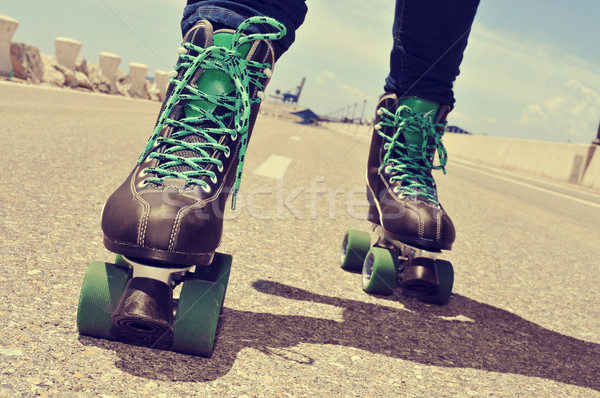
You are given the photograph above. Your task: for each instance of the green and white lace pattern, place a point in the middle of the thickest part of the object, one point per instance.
(412, 162)
(243, 74)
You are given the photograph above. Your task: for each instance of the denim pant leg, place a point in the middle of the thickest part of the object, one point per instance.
(230, 13)
(430, 37)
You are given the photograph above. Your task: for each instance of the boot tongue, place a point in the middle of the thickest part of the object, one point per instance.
(212, 82)
(215, 82)
(427, 110)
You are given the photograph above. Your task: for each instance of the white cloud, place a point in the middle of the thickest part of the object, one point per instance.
(532, 88)
(459, 118)
(343, 51)
(533, 115)
(329, 83)
(554, 104)
(575, 116)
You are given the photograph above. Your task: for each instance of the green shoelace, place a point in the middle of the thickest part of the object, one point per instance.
(243, 73)
(412, 163)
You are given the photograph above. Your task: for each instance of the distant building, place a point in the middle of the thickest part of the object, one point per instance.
(308, 116)
(456, 129)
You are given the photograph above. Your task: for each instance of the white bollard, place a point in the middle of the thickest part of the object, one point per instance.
(8, 26)
(161, 81)
(67, 51)
(138, 79)
(109, 63)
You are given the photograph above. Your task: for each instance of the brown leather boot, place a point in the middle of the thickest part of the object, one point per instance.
(404, 204)
(400, 188)
(170, 208)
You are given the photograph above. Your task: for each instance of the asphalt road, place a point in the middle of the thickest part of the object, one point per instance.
(524, 319)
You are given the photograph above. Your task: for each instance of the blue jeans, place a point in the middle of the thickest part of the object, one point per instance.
(430, 37)
(230, 13)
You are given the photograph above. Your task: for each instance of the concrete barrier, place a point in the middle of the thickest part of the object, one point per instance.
(109, 63)
(8, 26)
(591, 177)
(138, 79)
(67, 51)
(557, 161)
(138, 73)
(161, 81)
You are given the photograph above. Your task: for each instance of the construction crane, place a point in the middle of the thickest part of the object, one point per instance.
(290, 96)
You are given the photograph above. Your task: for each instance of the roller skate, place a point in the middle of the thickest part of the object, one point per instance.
(166, 220)
(411, 225)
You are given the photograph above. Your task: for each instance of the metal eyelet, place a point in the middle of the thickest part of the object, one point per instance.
(220, 167)
(213, 179)
(144, 181)
(207, 189)
(388, 169)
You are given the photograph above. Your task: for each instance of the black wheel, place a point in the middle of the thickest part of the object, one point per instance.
(355, 246)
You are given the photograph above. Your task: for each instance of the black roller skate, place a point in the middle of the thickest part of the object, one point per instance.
(165, 221)
(411, 224)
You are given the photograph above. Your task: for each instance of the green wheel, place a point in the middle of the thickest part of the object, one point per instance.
(379, 272)
(102, 287)
(355, 246)
(445, 273)
(218, 271)
(197, 316)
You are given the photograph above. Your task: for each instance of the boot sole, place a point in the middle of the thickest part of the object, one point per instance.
(149, 254)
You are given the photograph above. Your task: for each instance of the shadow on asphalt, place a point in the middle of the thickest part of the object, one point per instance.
(495, 341)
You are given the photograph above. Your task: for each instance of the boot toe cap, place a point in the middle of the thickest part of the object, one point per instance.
(419, 224)
(160, 224)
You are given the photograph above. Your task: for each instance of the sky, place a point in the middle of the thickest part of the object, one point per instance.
(531, 69)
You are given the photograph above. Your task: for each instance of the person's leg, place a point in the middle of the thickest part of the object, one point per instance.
(429, 40)
(230, 13)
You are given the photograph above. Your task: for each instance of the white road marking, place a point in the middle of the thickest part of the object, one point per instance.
(274, 167)
(468, 165)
